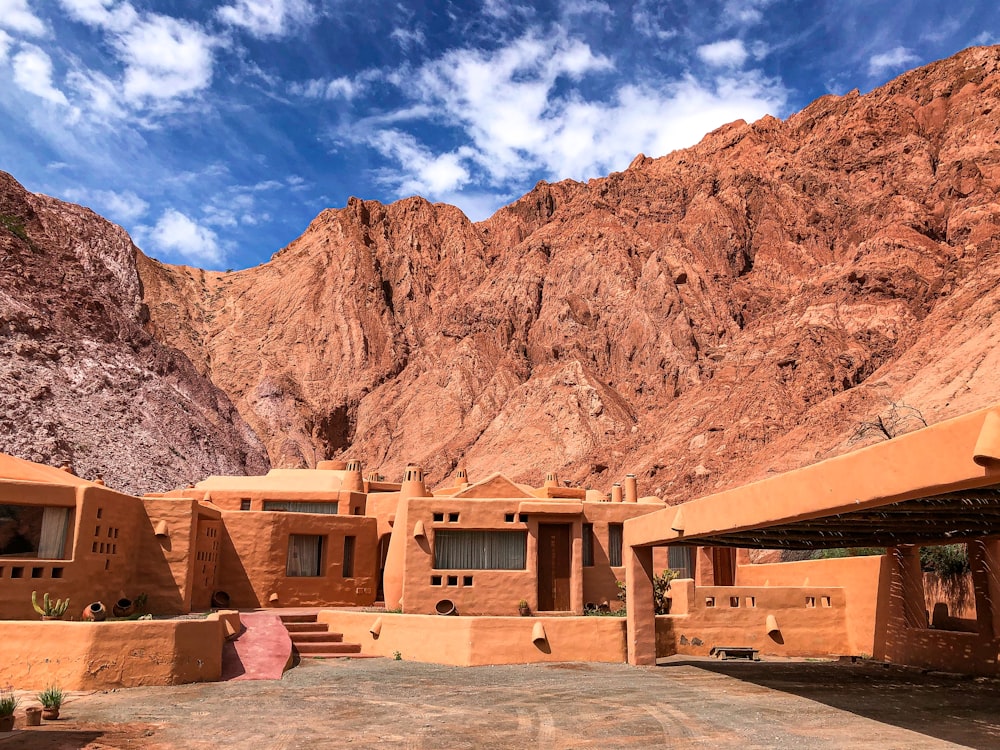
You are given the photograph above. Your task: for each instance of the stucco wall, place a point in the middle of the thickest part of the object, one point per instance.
(475, 641)
(99, 656)
(811, 620)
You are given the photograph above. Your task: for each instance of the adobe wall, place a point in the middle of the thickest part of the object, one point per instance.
(811, 621)
(480, 641)
(101, 656)
(164, 566)
(108, 528)
(907, 636)
(253, 558)
(862, 579)
(348, 503)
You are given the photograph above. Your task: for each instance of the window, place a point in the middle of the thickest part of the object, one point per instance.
(244, 503)
(305, 556)
(34, 531)
(588, 545)
(291, 506)
(615, 544)
(348, 569)
(480, 550)
(679, 560)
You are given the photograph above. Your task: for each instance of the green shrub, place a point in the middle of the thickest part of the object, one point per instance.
(8, 702)
(52, 697)
(947, 560)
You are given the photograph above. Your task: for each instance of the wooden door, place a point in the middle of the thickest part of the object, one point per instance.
(724, 566)
(554, 567)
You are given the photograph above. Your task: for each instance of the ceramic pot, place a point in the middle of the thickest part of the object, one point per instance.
(7, 723)
(524, 611)
(95, 612)
(220, 600)
(50, 714)
(123, 608)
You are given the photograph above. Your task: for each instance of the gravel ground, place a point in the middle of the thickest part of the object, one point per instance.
(378, 702)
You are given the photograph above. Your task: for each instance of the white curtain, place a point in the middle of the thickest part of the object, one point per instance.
(55, 522)
(480, 550)
(304, 555)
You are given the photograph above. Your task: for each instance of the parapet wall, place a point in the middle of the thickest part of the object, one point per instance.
(778, 621)
(100, 656)
(479, 641)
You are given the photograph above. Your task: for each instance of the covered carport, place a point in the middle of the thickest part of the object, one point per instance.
(938, 485)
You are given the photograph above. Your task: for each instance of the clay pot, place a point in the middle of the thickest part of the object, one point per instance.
(50, 714)
(220, 600)
(445, 607)
(123, 608)
(95, 612)
(33, 716)
(524, 611)
(7, 723)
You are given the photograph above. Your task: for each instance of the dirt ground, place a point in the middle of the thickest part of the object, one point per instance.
(377, 702)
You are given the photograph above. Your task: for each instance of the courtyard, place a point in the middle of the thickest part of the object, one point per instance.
(680, 703)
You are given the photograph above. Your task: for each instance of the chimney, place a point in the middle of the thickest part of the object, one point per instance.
(631, 489)
(353, 480)
(413, 482)
(616, 493)
(551, 479)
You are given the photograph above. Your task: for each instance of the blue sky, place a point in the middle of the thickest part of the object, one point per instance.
(215, 131)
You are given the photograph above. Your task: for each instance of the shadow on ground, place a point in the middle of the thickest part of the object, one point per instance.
(955, 709)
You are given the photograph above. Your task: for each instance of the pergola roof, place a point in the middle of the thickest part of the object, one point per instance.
(937, 485)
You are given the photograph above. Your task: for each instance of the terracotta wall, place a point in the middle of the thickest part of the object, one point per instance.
(100, 656)
(864, 581)
(254, 552)
(473, 641)
(907, 638)
(107, 529)
(811, 620)
(348, 503)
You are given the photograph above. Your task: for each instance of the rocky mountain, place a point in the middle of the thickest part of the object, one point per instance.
(751, 304)
(81, 381)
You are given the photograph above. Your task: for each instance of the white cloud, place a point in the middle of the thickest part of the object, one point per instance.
(267, 18)
(165, 58)
(894, 59)
(521, 110)
(105, 14)
(408, 38)
(123, 206)
(33, 73)
(729, 53)
(318, 88)
(646, 20)
(586, 7)
(178, 235)
(5, 42)
(745, 12)
(16, 15)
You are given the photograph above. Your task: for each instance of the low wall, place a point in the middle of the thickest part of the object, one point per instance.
(89, 656)
(811, 620)
(476, 641)
(864, 581)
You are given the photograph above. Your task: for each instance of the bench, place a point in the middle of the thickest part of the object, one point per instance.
(735, 652)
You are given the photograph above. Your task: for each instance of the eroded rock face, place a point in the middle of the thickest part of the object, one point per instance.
(80, 379)
(701, 319)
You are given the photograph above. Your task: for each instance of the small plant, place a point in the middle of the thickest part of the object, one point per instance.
(661, 585)
(523, 604)
(8, 702)
(140, 602)
(52, 697)
(397, 655)
(49, 607)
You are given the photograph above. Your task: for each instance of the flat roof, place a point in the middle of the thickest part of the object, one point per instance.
(937, 485)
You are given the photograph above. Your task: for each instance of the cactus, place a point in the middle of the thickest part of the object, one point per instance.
(49, 607)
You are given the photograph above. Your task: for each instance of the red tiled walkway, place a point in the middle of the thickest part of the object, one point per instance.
(261, 652)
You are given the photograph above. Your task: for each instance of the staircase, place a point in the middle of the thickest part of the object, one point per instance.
(314, 640)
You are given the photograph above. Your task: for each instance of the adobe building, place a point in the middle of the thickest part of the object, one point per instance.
(939, 485)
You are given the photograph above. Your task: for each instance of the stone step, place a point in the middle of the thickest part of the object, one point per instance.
(326, 649)
(306, 627)
(341, 656)
(324, 637)
(298, 618)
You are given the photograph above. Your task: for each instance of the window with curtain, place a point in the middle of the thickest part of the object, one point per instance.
(294, 506)
(34, 531)
(679, 559)
(480, 550)
(615, 544)
(588, 545)
(305, 556)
